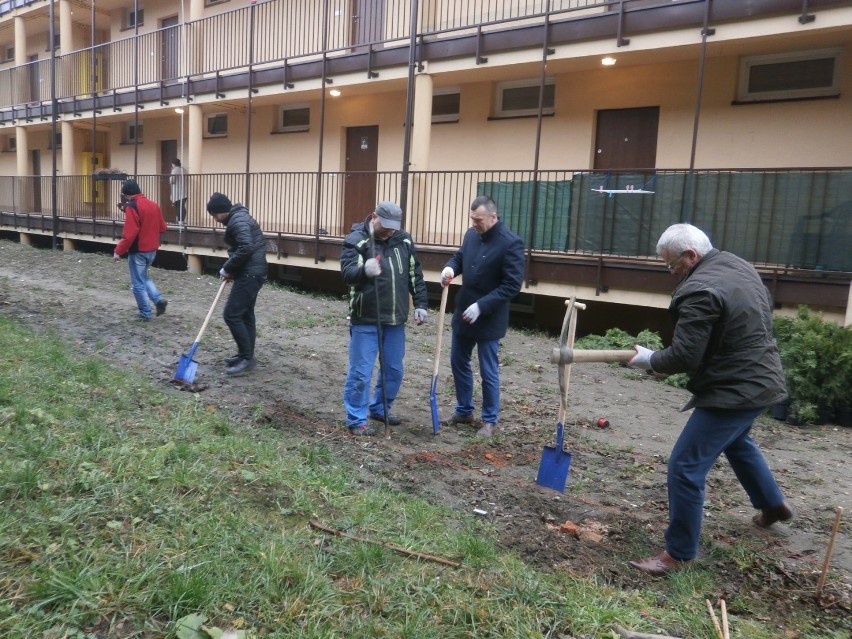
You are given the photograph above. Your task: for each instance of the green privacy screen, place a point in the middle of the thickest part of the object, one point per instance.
(552, 210)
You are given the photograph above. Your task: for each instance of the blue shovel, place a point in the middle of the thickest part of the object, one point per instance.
(187, 365)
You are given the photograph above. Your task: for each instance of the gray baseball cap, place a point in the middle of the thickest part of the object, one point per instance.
(390, 214)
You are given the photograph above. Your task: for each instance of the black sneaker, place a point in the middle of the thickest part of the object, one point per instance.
(241, 367)
(161, 306)
(141, 318)
(233, 359)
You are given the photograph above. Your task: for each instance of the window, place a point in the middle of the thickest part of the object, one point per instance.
(133, 19)
(58, 141)
(10, 143)
(132, 133)
(446, 104)
(9, 53)
(294, 117)
(215, 125)
(787, 76)
(520, 97)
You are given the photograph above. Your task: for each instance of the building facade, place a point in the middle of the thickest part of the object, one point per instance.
(594, 125)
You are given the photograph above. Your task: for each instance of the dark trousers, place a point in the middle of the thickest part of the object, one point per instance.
(239, 313)
(180, 210)
(708, 434)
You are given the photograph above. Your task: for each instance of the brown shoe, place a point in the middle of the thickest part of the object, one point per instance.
(487, 430)
(768, 516)
(457, 419)
(660, 564)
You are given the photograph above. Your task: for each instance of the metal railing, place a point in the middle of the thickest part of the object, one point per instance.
(272, 33)
(795, 218)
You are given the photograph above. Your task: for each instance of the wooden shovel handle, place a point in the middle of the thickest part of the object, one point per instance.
(441, 313)
(210, 312)
(585, 356)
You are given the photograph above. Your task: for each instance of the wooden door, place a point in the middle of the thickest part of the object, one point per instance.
(170, 48)
(627, 139)
(36, 159)
(359, 189)
(168, 152)
(368, 23)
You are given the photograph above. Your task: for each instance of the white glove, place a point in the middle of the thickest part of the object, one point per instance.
(471, 314)
(116, 257)
(372, 268)
(446, 276)
(224, 275)
(642, 359)
(420, 315)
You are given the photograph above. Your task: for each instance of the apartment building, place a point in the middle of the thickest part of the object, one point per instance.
(593, 124)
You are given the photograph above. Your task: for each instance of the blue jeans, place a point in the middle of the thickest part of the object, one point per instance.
(708, 433)
(239, 313)
(363, 350)
(142, 285)
(460, 354)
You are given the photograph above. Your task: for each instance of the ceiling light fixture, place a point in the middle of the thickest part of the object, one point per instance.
(608, 61)
(335, 93)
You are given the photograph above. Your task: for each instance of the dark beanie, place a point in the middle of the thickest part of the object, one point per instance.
(130, 187)
(218, 203)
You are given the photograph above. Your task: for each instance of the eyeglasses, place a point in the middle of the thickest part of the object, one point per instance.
(671, 265)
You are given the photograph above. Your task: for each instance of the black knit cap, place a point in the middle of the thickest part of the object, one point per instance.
(218, 203)
(130, 187)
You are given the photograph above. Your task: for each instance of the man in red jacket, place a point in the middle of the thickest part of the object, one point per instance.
(143, 224)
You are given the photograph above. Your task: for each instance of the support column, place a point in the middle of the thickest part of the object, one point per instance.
(849, 307)
(66, 30)
(421, 141)
(194, 264)
(26, 239)
(25, 182)
(20, 41)
(68, 245)
(195, 143)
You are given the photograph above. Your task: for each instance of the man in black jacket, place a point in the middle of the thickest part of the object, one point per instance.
(491, 260)
(723, 339)
(246, 268)
(379, 263)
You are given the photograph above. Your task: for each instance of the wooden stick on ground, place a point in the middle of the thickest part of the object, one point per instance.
(715, 620)
(629, 634)
(725, 630)
(403, 551)
(838, 513)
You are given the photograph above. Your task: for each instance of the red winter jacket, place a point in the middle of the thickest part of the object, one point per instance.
(143, 220)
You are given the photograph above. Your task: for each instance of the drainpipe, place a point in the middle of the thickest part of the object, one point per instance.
(409, 108)
(53, 190)
(135, 88)
(318, 202)
(688, 201)
(251, 90)
(545, 51)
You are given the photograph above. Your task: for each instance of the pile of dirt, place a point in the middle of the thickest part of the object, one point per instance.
(616, 494)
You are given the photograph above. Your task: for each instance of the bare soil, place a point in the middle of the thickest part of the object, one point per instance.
(616, 492)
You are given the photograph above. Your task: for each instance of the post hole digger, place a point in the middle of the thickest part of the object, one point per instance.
(555, 460)
(187, 366)
(433, 394)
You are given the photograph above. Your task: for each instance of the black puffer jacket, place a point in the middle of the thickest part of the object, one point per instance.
(401, 276)
(723, 336)
(247, 247)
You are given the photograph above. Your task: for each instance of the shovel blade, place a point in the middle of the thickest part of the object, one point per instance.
(554, 465)
(186, 369)
(433, 400)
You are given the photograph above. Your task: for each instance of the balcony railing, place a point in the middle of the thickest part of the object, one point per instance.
(796, 218)
(273, 33)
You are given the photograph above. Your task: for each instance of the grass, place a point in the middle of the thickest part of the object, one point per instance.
(129, 512)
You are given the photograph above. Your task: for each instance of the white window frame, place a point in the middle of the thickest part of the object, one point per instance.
(210, 116)
(447, 117)
(747, 62)
(280, 128)
(500, 112)
(133, 134)
(10, 143)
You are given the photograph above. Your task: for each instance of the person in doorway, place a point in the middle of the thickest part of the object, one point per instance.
(177, 184)
(246, 268)
(379, 263)
(723, 338)
(140, 239)
(491, 258)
